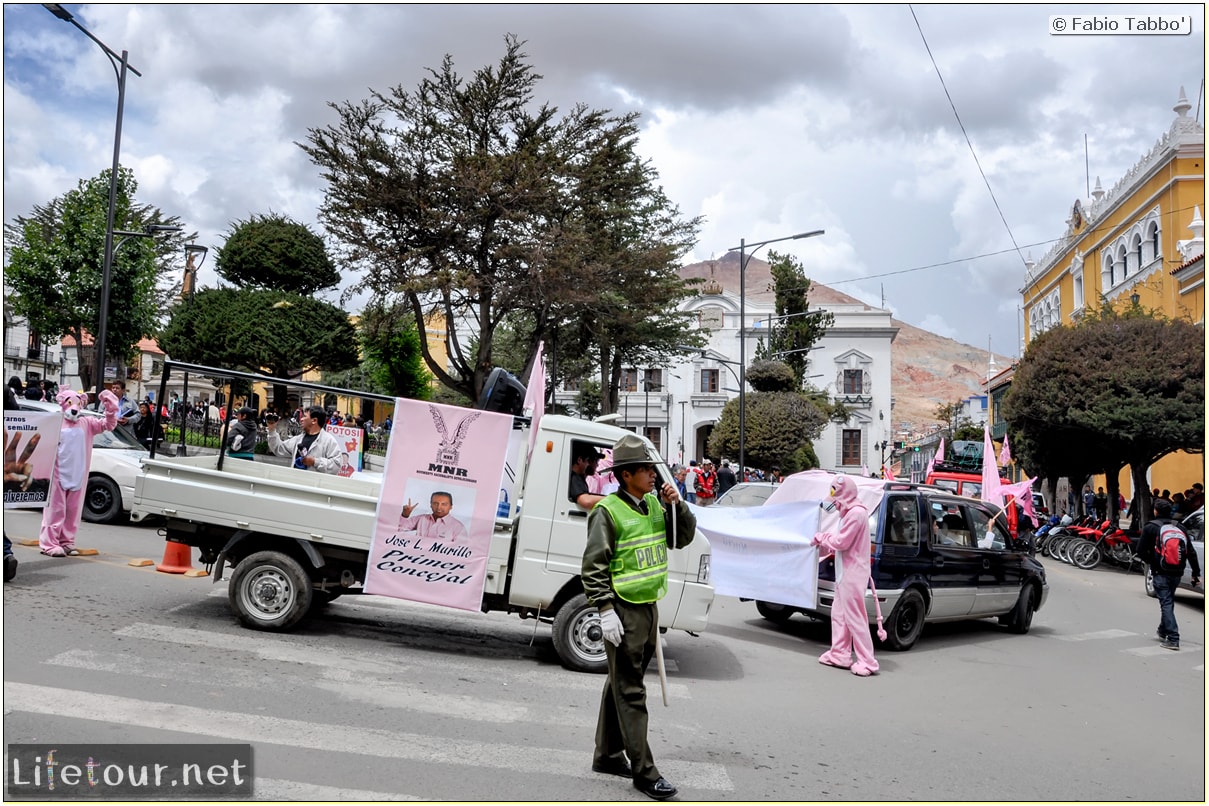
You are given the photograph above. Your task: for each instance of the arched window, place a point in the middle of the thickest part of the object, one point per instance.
(1119, 264)
(1152, 235)
(1134, 263)
(1106, 281)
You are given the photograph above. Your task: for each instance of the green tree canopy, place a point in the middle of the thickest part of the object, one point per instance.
(276, 332)
(796, 328)
(56, 259)
(391, 345)
(779, 425)
(277, 253)
(466, 199)
(1119, 388)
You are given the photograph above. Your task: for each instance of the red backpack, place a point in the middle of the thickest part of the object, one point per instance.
(1171, 548)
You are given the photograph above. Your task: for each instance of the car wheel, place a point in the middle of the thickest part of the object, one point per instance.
(776, 613)
(1150, 583)
(270, 590)
(102, 500)
(578, 639)
(906, 622)
(1021, 618)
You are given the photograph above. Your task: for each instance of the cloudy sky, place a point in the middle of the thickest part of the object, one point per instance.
(767, 120)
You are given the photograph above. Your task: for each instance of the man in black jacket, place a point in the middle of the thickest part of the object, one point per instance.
(1166, 581)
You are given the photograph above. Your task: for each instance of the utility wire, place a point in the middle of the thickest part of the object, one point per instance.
(965, 133)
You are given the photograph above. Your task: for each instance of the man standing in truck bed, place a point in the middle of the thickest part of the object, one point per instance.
(624, 576)
(313, 449)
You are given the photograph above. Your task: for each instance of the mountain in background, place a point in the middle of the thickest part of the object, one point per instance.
(928, 370)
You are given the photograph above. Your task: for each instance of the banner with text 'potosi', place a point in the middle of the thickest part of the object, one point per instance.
(440, 494)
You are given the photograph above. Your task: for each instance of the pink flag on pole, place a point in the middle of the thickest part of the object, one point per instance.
(535, 393)
(939, 456)
(887, 473)
(1005, 453)
(1023, 491)
(990, 473)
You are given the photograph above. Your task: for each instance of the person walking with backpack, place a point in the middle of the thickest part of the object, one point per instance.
(1167, 548)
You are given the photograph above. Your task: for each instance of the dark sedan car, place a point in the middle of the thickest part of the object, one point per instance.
(937, 557)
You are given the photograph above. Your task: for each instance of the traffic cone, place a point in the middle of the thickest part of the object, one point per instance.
(177, 561)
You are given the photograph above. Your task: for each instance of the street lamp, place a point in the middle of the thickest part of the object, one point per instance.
(743, 258)
(120, 66)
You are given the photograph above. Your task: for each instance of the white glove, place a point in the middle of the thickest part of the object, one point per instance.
(610, 624)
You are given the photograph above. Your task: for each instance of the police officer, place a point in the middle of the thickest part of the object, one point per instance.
(624, 575)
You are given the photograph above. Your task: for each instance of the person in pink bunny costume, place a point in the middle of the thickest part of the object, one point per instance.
(69, 480)
(849, 619)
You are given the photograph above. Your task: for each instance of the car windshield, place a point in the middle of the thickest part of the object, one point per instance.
(120, 437)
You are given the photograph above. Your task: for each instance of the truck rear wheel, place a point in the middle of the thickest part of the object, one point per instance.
(577, 636)
(270, 590)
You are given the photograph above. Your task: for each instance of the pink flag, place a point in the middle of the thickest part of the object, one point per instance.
(535, 393)
(990, 473)
(1005, 453)
(887, 473)
(940, 450)
(865, 470)
(1023, 490)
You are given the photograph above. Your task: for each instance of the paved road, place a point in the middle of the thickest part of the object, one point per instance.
(380, 699)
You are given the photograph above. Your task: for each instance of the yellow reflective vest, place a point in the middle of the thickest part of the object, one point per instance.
(639, 564)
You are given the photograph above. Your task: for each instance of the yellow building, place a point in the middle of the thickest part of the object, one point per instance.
(1140, 243)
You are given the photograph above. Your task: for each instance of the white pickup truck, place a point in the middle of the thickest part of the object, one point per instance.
(298, 539)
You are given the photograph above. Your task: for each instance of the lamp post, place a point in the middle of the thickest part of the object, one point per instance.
(743, 258)
(120, 67)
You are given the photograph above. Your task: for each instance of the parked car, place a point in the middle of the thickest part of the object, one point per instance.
(116, 462)
(746, 494)
(936, 557)
(1194, 525)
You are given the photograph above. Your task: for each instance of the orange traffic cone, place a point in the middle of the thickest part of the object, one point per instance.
(177, 561)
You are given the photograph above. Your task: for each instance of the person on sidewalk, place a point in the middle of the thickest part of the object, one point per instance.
(1166, 579)
(624, 577)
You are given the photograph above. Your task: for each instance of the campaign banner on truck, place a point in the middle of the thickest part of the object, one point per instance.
(762, 552)
(31, 441)
(352, 447)
(440, 495)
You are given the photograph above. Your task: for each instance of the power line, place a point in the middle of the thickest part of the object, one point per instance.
(965, 133)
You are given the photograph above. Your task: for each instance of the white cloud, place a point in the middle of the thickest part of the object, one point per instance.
(764, 119)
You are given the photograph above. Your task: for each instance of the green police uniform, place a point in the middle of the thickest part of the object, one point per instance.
(625, 567)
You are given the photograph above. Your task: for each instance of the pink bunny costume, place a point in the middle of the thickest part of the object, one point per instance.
(69, 481)
(849, 619)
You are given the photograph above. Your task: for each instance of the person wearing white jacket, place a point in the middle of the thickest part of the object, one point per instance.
(313, 449)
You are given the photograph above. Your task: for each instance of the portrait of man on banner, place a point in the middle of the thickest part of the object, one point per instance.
(440, 496)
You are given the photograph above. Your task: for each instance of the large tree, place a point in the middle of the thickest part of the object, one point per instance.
(56, 258)
(1119, 388)
(283, 329)
(468, 200)
(781, 422)
(275, 252)
(796, 328)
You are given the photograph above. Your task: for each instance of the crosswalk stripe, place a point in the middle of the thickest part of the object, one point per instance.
(268, 789)
(365, 741)
(1097, 636)
(350, 663)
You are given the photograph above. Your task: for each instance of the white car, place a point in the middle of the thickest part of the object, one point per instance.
(116, 462)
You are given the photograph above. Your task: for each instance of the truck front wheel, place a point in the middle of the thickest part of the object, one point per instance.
(270, 591)
(577, 636)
